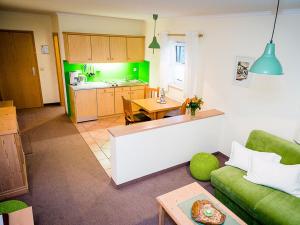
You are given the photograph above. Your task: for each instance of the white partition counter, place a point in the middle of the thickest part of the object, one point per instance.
(141, 149)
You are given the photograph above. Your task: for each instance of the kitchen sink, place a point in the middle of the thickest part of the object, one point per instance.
(128, 82)
(121, 83)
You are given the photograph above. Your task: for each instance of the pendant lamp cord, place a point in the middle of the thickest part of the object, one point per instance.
(154, 27)
(275, 22)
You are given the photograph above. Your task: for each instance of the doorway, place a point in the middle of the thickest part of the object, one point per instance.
(19, 74)
(59, 69)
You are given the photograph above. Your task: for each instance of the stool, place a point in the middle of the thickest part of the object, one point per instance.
(202, 164)
(11, 206)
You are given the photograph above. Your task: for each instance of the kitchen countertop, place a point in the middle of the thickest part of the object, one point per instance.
(94, 85)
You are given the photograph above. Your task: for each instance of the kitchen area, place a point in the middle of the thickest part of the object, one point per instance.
(102, 73)
(99, 70)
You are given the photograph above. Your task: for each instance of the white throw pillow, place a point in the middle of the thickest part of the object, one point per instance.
(240, 156)
(272, 174)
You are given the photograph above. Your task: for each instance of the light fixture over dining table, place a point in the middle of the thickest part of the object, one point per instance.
(154, 44)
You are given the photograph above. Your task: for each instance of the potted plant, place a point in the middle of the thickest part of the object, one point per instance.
(194, 104)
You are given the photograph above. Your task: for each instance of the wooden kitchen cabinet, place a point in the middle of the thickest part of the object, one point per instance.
(119, 92)
(117, 47)
(135, 49)
(83, 105)
(137, 92)
(93, 103)
(13, 176)
(78, 48)
(100, 48)
(106, 101)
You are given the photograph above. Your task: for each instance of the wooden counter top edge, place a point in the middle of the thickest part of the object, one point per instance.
(139, 127)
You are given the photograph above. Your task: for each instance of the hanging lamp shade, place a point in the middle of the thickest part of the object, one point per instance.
(154, 44)
(268, 64)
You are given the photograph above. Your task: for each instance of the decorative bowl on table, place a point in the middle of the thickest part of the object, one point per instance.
(203, 211)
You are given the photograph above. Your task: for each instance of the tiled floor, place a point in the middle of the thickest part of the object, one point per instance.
(96, 136)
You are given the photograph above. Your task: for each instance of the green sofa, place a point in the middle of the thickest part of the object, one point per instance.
(257, 204)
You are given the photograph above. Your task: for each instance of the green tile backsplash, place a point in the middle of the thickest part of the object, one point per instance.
(108, 72)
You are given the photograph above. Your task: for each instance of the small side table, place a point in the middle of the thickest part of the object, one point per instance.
(168, 203)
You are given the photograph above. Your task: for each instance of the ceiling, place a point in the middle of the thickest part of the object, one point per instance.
(142, 9)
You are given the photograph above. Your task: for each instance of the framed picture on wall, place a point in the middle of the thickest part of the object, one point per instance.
(242, 77)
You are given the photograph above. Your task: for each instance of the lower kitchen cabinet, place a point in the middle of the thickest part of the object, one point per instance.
(137, 92)
(119, 92)
(90, 104)
(106, 101)
(83, 105)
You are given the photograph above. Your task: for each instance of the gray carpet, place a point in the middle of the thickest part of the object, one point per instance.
(69, 187)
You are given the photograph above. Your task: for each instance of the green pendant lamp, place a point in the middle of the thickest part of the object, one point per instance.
(268, 64)
(154, 44)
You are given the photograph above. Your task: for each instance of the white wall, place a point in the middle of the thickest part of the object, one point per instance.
(96, 24)
(139, 154)
(41, 25)
(100, 24)
(270, 103)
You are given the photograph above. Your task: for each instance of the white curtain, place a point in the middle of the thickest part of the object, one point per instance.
(193, 76)
(166, 65)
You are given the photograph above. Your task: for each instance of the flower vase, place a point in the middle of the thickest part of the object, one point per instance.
(193, 111)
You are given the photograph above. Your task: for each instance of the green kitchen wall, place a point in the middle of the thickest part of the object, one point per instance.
(107, 72)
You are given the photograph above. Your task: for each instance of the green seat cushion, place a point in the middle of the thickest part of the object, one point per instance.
(264, 142)
(229, 180)
(11, 206)
(279, 208)
(202, 164)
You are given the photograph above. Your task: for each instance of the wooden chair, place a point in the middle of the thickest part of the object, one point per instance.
(151, 92)
(129, 116)
(177, 112)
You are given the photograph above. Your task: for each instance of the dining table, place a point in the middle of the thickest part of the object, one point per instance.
(156, 110)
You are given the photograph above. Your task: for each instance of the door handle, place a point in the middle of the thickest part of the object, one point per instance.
(33, 71)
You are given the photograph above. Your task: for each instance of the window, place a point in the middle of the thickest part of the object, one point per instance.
(180, 52)
(179, 64)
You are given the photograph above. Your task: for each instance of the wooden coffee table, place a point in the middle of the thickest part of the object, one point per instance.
(168, 203)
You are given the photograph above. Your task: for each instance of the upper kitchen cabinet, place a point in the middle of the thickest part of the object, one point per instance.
(117, 49)
(78, 48)
(135, 49)
(100, 48)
